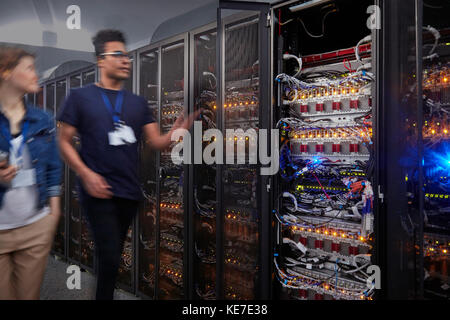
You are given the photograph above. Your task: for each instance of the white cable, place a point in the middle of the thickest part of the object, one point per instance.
(287, 56)
(298, 245)
(436, 35)
(365, 39)
(294, 200)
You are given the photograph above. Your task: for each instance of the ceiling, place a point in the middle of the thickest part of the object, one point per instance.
(41, 24)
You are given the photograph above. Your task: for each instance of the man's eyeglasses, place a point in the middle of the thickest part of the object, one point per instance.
(116, 54)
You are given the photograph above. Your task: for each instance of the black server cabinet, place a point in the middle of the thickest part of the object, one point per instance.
(126, 274)
(80, 243)
(242, 245)
(148, 66)
(162, 225)
(398, 148)
(72, 210)
(325, 106)
(202, 235)
(433, 236)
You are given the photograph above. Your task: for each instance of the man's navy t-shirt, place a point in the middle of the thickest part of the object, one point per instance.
(85, 109)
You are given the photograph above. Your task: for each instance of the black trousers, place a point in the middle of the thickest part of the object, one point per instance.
(109, 221)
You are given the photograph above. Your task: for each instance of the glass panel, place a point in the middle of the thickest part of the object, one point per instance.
(205, 175)
(50, 95)
(40, 98)
(87, 242)
(128, 85)
(149, 87)
(125, 275)
(74, 208)
(75, 81)
(60, 232)
(172, 177)
(240, 198)
(74, 216)
(436, 143)
(88, 77)
(60, 94)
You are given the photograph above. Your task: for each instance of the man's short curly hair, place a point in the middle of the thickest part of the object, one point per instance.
(104, 36)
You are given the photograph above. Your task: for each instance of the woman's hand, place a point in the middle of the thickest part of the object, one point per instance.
(55, 206)
(7, 172)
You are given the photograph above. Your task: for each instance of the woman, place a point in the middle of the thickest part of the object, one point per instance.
(30, 177)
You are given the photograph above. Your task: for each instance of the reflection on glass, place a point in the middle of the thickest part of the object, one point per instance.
(60, 94)
(128, 85)
(50, 95)
(241, 110)
(149, 86)
(75, 81)
(172, 178)
(436, 144)
(40, 98)
(205, 175)
(125, 275)
(88, 77)
(87, 242)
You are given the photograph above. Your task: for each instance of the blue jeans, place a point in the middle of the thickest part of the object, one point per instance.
(109, 220)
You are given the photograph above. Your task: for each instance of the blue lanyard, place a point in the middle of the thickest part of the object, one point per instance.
(8, 137)
(116, 113)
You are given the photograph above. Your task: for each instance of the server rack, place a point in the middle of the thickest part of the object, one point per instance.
(433, 226)
(202, 212)
(72, 240)
(126, 277)
(163, 219)
(242, 226)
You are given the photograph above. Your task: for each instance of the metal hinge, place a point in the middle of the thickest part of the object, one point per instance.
(269, 20)
(380, 195)
(269, 182)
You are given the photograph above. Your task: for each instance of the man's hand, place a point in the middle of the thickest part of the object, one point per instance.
(182, 123)
(95, 185)
(161, 142)
(7, 172)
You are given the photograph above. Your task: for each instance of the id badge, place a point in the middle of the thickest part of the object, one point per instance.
(122, 135)
(114, 138)
(24, 178)
(128, 134)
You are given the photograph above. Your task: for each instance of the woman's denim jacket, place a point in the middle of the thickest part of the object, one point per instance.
(41, 142)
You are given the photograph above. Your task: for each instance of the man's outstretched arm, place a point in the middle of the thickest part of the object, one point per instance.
(157, 141)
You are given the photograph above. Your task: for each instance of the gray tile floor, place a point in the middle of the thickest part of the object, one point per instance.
(54, 286)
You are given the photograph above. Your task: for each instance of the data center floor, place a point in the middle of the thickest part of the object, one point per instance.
(54, 286)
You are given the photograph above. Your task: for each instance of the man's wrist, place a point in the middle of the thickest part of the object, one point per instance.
(83, 172)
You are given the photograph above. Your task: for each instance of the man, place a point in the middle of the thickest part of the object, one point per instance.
(110, 122)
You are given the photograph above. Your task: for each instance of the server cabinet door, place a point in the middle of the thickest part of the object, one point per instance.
(125, 277)
(172, 176)
(399, 149)
(243, 101)
(203, 193)
(433, 269)
(149, 84)
(73, 207)
(87, 241)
